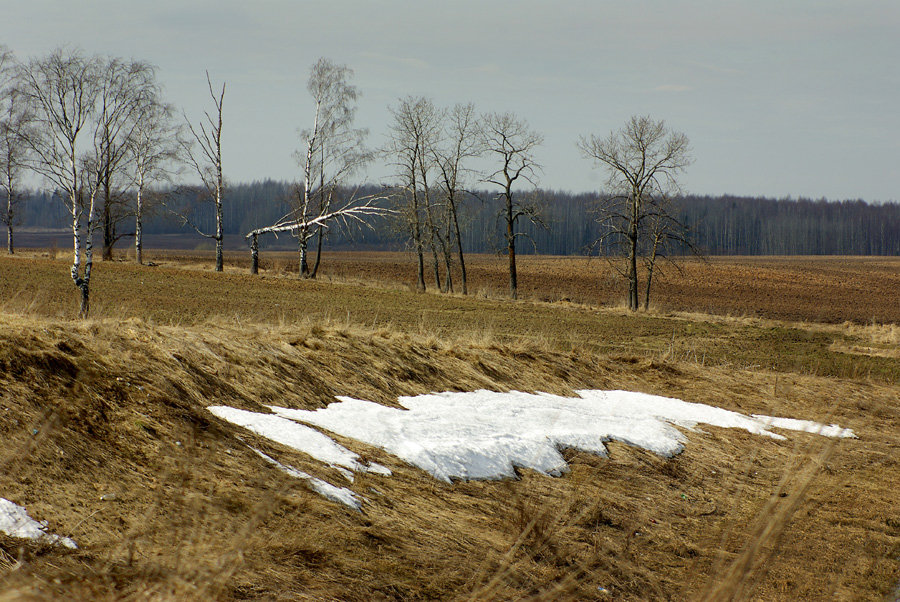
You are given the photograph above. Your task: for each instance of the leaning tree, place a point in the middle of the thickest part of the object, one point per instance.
(333, 150)
(644, 160)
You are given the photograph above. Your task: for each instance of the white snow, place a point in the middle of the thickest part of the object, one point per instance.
(14, 521)
(487, 435)
(808, 426)
(297, 436)
(342, 495)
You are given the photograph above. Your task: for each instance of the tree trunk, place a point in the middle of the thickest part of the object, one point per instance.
(139, 228)
(632, 274)
(320, 233)
(417, 241)
(254, 254)
(650, 266)
(462, 261)
(511, 248)
(10, 248)
(303, 246)
(108, 229)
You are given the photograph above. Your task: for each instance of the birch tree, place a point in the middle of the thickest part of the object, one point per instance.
(15, 132)
(63, 89)
(512, 142)
(644, 160)
(333, 150)
(203, 151)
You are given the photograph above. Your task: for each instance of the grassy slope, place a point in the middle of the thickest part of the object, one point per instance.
(116, 405)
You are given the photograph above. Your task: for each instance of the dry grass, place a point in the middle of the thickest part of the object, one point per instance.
(116, 406)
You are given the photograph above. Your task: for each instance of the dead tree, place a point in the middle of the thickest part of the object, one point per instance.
(512, 142)
(357, 211)
(643, 159)
(207, 163)
(63, 89)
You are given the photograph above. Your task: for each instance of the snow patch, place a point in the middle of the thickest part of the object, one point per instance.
(14, 521)
(297, 436)
(488, 435)
(806, 426)
(341, 495)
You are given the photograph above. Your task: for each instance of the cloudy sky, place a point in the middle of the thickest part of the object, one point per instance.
(778, 98)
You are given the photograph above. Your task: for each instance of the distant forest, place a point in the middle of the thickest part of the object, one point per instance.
(723, 225)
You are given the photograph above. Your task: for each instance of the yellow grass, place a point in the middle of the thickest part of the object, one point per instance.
(115, 405)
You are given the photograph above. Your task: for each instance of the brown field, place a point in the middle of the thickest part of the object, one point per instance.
(815, 289)
(115, 406)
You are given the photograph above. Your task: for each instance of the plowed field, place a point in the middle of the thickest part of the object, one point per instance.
(816, 289)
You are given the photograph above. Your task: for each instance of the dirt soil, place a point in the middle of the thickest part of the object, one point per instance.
(816, 289)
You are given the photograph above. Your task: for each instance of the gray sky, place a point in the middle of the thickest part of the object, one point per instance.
(778, 98)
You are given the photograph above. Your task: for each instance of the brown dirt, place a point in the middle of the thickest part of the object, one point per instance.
(814, 289)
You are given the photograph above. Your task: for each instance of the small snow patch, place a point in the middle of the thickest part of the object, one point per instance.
(806, 426)
(341, 495)
(14, 521)
(297, 436)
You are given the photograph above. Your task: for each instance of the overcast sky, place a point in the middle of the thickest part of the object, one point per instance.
(778, 98)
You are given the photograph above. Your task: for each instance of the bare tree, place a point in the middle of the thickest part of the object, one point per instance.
(63, 89)
(414, 132)
(513, 142)
(333, 150)
(207, 163)
(462, 141)
(643, 159)
(125, 87)
(153, 149)
(15, 132)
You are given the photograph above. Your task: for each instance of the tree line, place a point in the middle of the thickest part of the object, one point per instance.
(720, 225)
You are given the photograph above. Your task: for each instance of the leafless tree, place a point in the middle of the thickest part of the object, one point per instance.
(644, 160)
(332, 151)
(15, 131)
(207, 163)
(63, 89)
(126, 86)
(462, 141)
(414, 132)
(153, 150)
(513, 142)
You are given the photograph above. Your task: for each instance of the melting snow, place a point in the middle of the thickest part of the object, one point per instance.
(342, 495)
(808, 426)
(300, 437)
(14, 521)
(487, 435)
